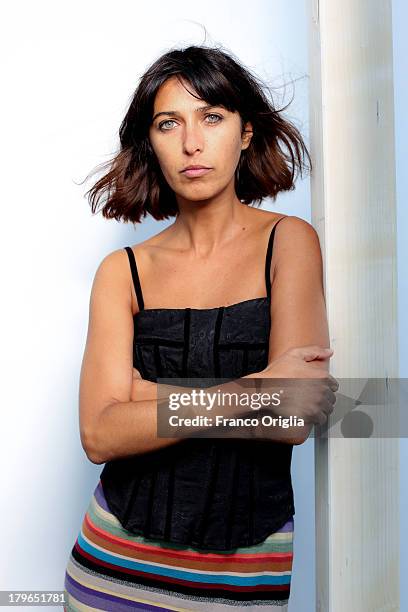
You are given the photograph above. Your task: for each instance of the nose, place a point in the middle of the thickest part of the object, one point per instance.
(193, 138)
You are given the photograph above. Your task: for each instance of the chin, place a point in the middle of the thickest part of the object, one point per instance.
(197, 194)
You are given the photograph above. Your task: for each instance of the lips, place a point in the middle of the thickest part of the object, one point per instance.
(196, 171)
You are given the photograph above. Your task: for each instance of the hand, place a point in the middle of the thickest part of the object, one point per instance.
(312, 400)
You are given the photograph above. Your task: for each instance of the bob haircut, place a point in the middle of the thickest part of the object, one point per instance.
(134, 184)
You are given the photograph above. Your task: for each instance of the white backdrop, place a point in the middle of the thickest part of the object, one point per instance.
(400, 49)
(68, 71)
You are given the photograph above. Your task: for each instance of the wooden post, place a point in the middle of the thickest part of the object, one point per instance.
(354, 212)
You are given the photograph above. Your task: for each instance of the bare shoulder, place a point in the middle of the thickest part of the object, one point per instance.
(296, 250)
(295, 224)
(110, 287)
(262, 221)
(112, 267)
(113, 276)
(291, 231)
(117, 261)
(295, 236)
(297, 257)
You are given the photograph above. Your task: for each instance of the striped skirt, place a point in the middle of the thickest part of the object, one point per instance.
(110, 568)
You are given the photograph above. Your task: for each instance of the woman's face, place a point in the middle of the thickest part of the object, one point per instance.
(183, 133)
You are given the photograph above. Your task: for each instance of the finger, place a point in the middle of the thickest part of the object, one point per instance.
(334, 383)
(329, 401)
(331, 382)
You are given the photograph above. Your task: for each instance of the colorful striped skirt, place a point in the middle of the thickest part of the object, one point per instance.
(110, 568)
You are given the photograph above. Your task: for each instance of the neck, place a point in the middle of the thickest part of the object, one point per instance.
(203, 226)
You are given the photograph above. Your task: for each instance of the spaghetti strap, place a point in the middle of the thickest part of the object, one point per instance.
(135, 276)
(269, 259)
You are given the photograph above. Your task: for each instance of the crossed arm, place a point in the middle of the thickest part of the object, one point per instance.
(118, 410)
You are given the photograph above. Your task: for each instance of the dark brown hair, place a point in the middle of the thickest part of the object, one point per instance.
(134, 184)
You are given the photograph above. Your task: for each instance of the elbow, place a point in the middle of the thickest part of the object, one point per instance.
(91, 448)
(297, 441)
(95, 458)
(301, 436)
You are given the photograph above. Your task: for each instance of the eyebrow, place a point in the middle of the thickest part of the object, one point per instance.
(177, 114)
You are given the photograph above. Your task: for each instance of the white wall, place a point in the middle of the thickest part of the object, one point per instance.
(68, 72)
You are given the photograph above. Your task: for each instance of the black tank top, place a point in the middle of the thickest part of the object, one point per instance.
(211, 493)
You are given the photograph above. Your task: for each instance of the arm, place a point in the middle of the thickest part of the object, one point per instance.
(298, 309)
(299, 331)
(112, 423)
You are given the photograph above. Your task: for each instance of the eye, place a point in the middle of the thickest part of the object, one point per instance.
(214, 115)
(163, 122)
(163, 129)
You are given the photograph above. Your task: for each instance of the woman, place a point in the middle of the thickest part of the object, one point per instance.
(197, 523)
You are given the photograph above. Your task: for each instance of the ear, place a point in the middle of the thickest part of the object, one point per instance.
(246, 135)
